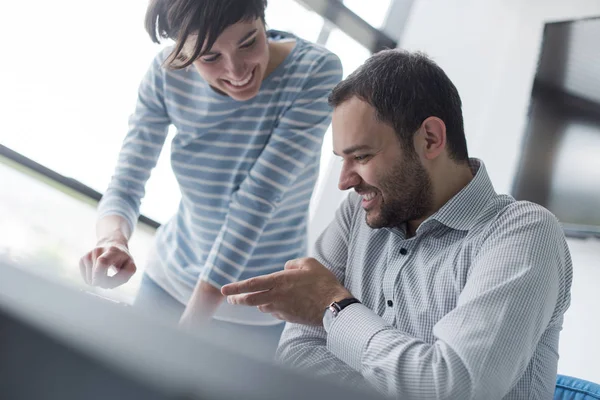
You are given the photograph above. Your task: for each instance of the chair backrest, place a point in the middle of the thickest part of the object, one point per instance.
(569, 388)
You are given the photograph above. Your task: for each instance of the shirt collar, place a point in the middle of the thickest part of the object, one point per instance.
(462, 210)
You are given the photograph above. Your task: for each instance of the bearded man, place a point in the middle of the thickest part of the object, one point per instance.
(427, 284)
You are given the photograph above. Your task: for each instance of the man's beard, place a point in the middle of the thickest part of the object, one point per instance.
(406, 195)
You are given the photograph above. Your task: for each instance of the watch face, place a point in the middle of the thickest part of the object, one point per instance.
(334, 308)
(327, 318)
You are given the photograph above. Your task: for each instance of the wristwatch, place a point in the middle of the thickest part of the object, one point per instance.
(334, 310)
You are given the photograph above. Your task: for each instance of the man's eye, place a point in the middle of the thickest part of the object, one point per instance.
(248, 44)
(361, 158)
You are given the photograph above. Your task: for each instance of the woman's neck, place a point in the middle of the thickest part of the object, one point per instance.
(278, 51)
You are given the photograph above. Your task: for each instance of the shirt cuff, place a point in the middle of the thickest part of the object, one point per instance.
(351, 331)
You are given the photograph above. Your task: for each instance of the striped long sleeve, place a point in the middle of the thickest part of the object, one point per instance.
(291, 149)
(140, 150)
(246, 170)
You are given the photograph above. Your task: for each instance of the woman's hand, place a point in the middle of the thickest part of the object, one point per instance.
(108, 254)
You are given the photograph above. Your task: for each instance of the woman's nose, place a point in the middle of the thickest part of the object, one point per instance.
(237, 68)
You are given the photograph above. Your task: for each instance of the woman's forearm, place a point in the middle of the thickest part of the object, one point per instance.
(206, 298)
(112, 228)
(202, 305)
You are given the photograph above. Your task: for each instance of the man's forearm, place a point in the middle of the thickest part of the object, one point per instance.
(304, 348)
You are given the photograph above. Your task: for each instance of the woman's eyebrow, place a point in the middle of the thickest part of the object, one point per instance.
(247, 35)
(242, 40)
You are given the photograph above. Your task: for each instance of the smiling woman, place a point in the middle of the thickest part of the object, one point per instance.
(81, 115)
(239, 60)
(232, 54)
(249, 107)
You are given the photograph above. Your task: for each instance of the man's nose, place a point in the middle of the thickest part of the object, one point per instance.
(348, 178)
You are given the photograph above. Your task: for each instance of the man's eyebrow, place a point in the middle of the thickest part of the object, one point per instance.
(242, 40)
(354, 149)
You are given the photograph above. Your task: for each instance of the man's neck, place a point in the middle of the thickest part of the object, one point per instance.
(451, 180)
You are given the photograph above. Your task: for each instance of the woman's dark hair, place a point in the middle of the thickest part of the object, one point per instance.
(178, 19)
(405, 88)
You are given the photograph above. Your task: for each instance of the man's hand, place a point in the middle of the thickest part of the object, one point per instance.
(300, 293)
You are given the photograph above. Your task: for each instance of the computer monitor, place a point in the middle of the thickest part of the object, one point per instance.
(59, 343)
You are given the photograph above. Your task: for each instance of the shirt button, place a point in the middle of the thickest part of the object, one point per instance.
(403, 251)
(390, 303)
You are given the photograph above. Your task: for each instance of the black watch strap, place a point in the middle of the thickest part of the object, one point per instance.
(338, 306)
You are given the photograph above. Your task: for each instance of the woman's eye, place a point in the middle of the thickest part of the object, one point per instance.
(211, 59)
(248, 44)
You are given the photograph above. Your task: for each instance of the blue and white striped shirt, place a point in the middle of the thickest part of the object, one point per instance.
(246, 170)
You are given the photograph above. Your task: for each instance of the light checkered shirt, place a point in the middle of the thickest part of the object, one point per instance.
(469, 308)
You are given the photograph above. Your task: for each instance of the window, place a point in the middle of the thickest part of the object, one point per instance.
(290, 16)
(372, 11)
(49, 236)
(70, 84)
(68, 89)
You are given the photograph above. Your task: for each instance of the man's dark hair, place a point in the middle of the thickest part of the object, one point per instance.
(178, 19)
(405, 88)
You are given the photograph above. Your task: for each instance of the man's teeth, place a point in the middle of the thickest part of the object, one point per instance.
(242, 82)
(369, 196)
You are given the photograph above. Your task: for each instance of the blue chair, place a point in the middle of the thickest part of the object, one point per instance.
(569, 388)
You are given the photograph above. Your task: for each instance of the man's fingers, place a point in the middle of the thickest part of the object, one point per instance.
(257, 284)
(293, 264)
(267, 309)
(278, 316)
(252, 299)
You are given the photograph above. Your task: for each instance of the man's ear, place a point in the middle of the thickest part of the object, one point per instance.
(430, 140)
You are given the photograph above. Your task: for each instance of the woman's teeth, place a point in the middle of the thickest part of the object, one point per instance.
(243, 82)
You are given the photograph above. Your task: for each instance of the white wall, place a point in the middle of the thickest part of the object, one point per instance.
(490, 50)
